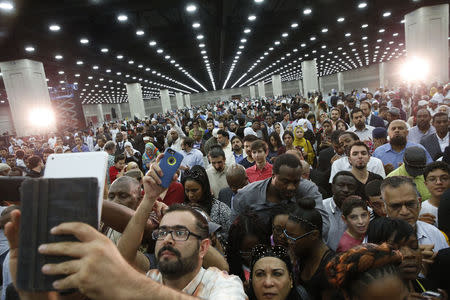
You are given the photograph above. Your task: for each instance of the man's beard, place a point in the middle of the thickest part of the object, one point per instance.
(360, 125)
(361, 167)
(398, 140)
(180, 267)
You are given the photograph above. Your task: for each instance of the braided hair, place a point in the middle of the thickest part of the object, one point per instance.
(354, 270)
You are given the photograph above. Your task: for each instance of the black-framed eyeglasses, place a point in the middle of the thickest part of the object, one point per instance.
(294, 239)
(178, 234)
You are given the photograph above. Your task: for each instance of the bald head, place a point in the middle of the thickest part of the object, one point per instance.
(126, 191)
(236, 177)
(296, 153)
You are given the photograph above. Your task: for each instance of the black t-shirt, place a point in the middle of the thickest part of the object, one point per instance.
(246, 163)
(319, 281)
(362, 186)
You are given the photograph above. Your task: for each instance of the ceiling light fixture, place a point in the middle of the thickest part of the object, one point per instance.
(196, 25)
(307, 11)
(386, 14)
(58, 57)
(6, 5)
(252, 18)
(140, 32)
(122, 18)
(191, 8)
(54, 27)
(294, 25)
(29, 49)
(84, 41)
(341, 19)
(362, 5)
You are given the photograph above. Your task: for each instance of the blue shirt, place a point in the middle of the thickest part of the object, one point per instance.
(84, 148)
(192, 158)
(389, 156)
(238, 158)
(415, 135)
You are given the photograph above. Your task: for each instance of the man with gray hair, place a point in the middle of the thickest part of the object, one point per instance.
(402, 201)
(236, 179)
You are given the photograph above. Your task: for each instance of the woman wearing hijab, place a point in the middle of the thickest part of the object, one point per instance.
(300, 141)
(131, 154)
(151, 153)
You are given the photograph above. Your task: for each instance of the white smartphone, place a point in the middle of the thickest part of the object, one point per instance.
(84, 164)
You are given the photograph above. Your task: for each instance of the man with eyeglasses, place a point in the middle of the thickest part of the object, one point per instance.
(100, 271)
(403, 202)
(437, 180)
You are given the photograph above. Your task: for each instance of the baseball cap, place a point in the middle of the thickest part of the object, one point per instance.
(415, 161)
(379, 133)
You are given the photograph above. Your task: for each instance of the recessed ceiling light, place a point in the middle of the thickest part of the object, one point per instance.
(307, 11)
(247, 30)
(362, 5)
(402, 21)
(381, 30)
(364, 25)
(104, 50)
(54, 27)
(6, 5)
(341, 19)
(252, 18)
(160, 51)
(58, 57)
(84, 41)
(303, 45)
(79, 62)
(122, 18)
(77, 75)
(201, 45)
(200, 37)
(191, 8)
(285, 34)
(152, 43)
(29, 49)
(348, 34)
(294, 25)
(243, 40)
(140, 32)
(313, 38)
(386, 14)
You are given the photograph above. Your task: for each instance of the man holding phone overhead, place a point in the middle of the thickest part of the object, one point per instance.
(100, 272)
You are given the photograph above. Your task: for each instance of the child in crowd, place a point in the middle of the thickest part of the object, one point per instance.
(356, 216)
(118, 169)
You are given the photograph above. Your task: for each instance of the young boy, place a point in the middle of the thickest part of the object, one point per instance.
(437, 180)
(373, 194)
(356, 216)
(118, 169)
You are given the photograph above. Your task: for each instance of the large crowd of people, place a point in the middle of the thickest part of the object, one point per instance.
(337, 196)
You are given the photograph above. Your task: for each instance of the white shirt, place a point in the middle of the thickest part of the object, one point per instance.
(365, 134)
(428, 234)
(210, 283)
(375, 165)
(248, 131)
(443, 143)
(428, 208)
(229, 155)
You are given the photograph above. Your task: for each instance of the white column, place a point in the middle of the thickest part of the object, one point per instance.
(252, 92)
(381, 70)
(310, 76)
(135, 100)
(187, 100)
(165, 100)
(179, 97)
(118, 111)
(300, 87)
(340, 77)
(261, 89)
(28, 97)
(100, 114)
(426, 36)
(277, 90)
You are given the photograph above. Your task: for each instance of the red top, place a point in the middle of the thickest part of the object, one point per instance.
(347, 242)
(175, 194)
(255, 174)
(113, 171)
